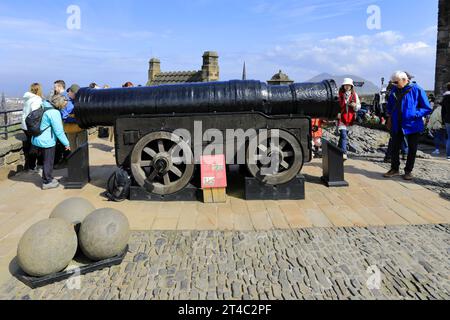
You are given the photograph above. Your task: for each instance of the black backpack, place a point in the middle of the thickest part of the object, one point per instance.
(34, 120)
(119, 185)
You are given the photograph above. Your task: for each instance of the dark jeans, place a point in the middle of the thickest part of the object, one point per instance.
(439, 138)
(49, 160)
(343, 140)
(447, 126)
(32, 157)
(404, 148)
(413, 143)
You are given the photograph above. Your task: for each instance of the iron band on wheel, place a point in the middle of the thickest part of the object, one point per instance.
(162, 163)
(282, 152)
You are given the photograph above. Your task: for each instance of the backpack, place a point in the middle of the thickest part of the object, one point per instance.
(34, 119)
(119, 184)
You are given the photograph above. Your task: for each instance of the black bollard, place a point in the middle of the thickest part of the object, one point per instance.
(78, 167)
(333, 165)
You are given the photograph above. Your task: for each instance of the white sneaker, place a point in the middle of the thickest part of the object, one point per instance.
(436, 152)
(38, 170)
(345, 157)
(52, 185)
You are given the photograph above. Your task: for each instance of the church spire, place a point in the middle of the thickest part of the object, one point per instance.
(244, 72)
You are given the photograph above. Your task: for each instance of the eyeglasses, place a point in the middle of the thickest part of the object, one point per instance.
(395, 82)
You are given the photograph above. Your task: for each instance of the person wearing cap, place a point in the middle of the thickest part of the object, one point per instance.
(350, 104)
(76, 135)
(407, 106)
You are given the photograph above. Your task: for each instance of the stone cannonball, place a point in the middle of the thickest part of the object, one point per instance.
(47, 247)
(104, 234)
(73, 210)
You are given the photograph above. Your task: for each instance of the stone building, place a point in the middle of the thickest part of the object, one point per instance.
(210, 72)
(443, 48)
(280, 79)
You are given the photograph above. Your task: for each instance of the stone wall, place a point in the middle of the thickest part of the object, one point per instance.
(12, 159)
(443, 47)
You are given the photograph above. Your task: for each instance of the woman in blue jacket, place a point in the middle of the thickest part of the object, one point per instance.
(407, 105)
(52, 129)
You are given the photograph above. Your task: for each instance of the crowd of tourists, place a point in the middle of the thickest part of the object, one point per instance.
(408, 112)
(51, 128)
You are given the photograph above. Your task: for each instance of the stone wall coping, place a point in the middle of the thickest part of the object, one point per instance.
(14, 143)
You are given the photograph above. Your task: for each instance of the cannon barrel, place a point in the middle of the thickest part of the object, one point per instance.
(102, 107)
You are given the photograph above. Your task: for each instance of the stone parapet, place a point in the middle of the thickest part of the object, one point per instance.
(12, 159)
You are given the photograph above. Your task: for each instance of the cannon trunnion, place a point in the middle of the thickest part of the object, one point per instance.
(151, 124)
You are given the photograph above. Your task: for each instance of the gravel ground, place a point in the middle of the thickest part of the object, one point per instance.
(341, 263)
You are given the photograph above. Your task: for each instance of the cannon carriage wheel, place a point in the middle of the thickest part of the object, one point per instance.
(274, 157)
(162, 163)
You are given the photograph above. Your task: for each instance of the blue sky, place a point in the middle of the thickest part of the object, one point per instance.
(302, 37)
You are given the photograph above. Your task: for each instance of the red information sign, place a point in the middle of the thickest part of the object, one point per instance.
(213, 172)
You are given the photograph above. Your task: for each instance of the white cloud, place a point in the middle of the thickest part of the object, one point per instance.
(419, 48)
(371, 56)
(389, 37)
(430, 32)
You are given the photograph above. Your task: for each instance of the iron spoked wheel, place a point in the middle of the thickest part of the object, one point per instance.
(162, 163)
(275, 157)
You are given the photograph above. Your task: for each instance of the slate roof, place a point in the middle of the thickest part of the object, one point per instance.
(176, 77)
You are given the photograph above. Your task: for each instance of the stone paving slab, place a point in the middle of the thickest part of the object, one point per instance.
(369, 201)
(317, 263)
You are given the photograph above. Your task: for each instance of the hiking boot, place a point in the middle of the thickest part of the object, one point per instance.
(408, 176)
(436, 152)
(52, 185)
(392, 173)
(404, 157)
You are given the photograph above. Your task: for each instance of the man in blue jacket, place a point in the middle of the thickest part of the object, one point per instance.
(407, 106)
(76, 136)
(52, 129)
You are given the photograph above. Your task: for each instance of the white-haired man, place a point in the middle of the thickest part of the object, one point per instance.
(407, 105)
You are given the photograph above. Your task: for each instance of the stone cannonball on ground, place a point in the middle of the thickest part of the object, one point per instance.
(47, 247)
(73, 210)
(104, 234)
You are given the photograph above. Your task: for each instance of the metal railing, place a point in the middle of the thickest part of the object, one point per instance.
(6, 127)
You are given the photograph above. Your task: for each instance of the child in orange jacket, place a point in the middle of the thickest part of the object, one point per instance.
(317, 134)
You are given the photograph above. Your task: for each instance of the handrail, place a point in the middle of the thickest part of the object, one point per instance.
(6, 125)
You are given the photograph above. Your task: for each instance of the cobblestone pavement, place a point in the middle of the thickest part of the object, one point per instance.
(413, 262)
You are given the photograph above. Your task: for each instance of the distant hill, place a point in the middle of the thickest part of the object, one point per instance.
(368, 88)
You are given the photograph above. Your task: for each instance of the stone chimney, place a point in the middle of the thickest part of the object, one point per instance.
(154, 69)
(443, 48)
(210, 68)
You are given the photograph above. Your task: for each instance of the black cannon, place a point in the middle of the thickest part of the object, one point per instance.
(145, 119)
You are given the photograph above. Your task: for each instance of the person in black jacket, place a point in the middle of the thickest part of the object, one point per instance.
(446, 117)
